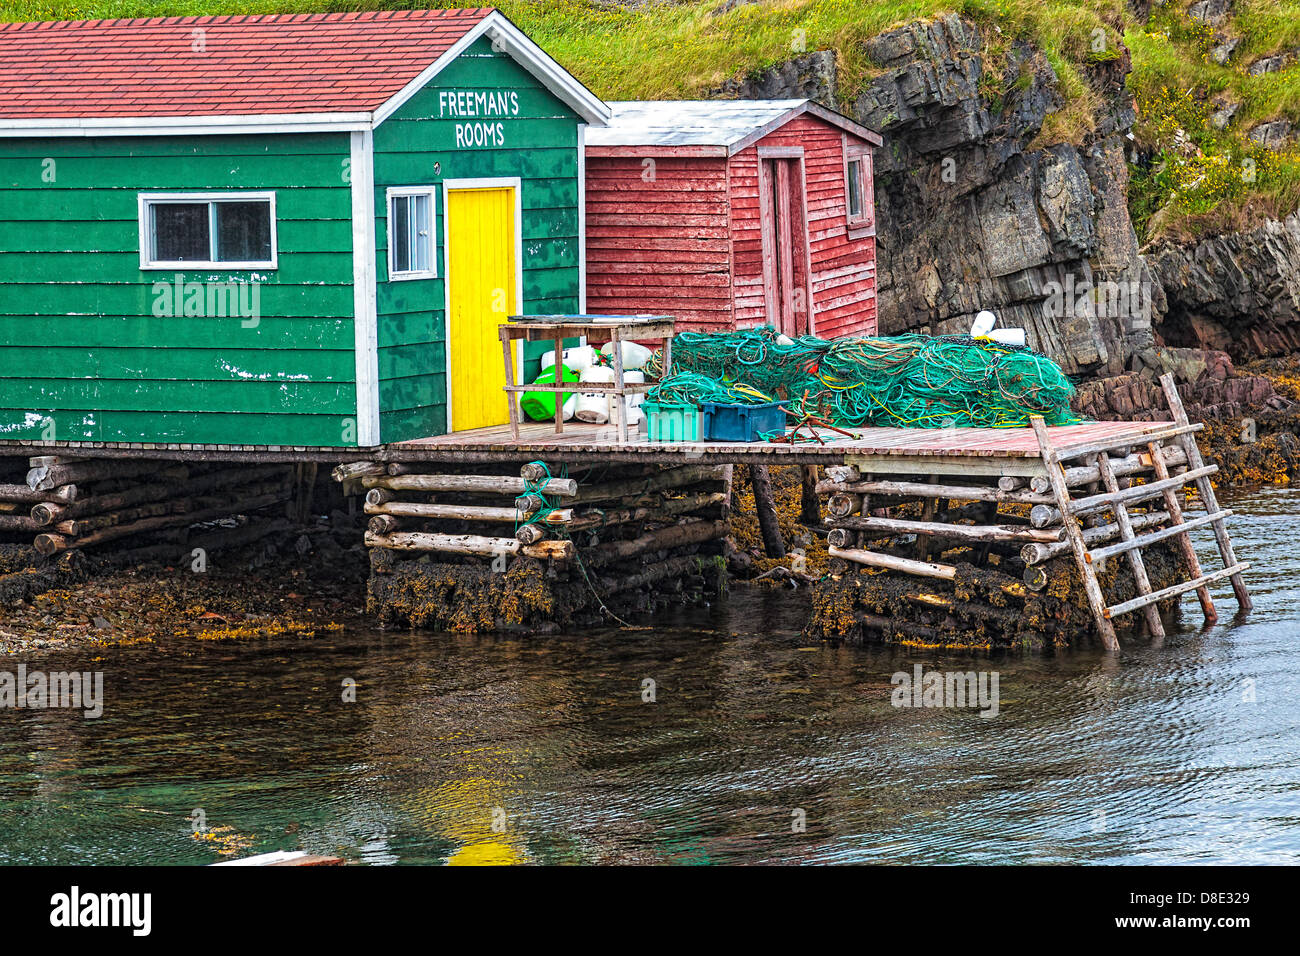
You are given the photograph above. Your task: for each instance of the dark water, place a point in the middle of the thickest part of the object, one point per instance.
(1156, 755)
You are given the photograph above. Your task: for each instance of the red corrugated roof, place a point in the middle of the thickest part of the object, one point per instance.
(220, 66)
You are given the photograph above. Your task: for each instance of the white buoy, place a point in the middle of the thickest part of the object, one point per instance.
(1008, 336)
(983, 325)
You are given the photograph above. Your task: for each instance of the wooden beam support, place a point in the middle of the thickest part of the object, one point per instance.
(875, 559)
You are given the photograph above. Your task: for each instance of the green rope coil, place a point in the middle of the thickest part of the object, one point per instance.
(532, 487)
(903, 380)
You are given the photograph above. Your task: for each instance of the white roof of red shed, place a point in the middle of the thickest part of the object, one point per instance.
(728, 125)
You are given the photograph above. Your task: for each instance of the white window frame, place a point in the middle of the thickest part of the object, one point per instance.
(393, 192)
(146, 200)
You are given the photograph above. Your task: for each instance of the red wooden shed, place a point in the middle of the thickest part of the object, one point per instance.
(731, 214)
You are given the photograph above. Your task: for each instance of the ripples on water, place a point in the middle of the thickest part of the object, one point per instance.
(1153, 756)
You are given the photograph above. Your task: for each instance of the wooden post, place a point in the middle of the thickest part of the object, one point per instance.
(1203, 485)
(810, 509)
(511, 397)
(304, 486)
(619, 384)
(928, 508)
(765, 505)
(1056, 475)
(559, 380)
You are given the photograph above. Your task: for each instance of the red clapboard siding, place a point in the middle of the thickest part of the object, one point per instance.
(843, 276)
(681, 234)
(657, 238)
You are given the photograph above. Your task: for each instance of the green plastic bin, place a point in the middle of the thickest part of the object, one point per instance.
(671, 422)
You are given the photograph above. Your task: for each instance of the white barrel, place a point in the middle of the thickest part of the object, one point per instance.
(594, 406)
(1008, 336)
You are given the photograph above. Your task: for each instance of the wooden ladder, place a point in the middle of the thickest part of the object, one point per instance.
(1117, 500)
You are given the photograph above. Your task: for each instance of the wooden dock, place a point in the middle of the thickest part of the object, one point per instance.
(1086, 492)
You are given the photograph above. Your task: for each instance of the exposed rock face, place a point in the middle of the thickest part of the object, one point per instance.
(1209, 385)
(1239, 293)
(810, 76)
(1210, 12)
(1271, 64)
(974, 217)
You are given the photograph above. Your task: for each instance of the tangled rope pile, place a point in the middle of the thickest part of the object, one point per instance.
(903, 380)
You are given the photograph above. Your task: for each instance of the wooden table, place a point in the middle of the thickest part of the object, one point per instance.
(615, 329)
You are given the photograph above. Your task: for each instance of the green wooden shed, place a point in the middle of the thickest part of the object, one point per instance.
(294, 230)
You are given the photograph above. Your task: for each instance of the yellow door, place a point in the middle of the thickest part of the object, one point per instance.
(481, 277)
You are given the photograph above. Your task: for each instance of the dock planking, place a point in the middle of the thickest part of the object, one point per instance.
(978, 450)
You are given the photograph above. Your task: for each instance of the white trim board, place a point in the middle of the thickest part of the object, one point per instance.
(365, 319)
(582, 221)
(498, 182)
(504, 34)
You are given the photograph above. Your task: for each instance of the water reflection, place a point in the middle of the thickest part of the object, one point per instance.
(484, 749)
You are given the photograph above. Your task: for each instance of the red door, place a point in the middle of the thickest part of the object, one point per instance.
(785, 250)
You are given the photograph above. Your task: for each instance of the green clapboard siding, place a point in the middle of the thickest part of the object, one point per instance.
(89, 353)
(539, 147)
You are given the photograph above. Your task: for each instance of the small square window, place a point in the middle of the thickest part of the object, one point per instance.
(228, 230)
(410, 233)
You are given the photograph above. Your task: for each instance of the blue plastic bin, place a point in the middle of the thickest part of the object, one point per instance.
(742, 422)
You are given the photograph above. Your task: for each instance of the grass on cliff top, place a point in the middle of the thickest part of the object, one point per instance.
(1203, 180)
(1200, 180)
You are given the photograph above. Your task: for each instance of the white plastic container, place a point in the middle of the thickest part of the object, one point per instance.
(575, 359)
(634, 355)
(635, 413)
